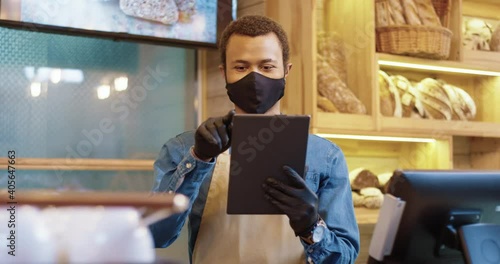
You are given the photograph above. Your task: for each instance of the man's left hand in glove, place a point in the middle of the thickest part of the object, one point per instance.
(296, 200)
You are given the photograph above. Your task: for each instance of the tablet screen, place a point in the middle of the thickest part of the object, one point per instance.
(260, 146)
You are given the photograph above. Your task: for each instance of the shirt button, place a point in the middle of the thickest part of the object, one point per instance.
(188, 165)
(170, 191)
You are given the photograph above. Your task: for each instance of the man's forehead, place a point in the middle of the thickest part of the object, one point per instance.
(259, 48)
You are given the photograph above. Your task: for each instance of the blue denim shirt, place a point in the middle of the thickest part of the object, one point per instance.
(176, 170)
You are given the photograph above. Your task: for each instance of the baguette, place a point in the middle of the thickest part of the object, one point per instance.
(411, 12)
(427, 13)
(396, 12)
(382, 14)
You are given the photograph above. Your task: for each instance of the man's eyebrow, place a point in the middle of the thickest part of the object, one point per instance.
(247, 62)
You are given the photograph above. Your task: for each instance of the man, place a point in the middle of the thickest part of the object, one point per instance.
(318, 223)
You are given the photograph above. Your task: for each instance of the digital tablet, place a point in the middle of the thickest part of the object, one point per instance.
(260, 146)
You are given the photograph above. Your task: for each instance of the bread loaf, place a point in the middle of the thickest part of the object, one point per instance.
(427, 13)
(409, 101)
(390, 100)
(495, 39)
(434, 98)
(382, 14)
(365, 179)
(326, 105)
(457, 104)
(470, 106)
(332, 87)
(411, 12)
(396, 12)
(332, 48)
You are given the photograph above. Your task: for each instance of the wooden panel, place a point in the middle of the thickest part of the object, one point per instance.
(337, 122)
(487, 98)
(243, 4)
(456, 27)
(377, 165)
(483, 59)
(297, 19)
(481, 8)
(80, 164)
(354, 21)
(368, 148)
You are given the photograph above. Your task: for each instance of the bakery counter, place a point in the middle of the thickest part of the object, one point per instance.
(365, 215)
(367, 218)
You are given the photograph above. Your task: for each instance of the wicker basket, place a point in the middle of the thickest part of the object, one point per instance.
(418, 41)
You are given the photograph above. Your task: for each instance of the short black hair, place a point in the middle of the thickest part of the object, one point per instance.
(253, 26)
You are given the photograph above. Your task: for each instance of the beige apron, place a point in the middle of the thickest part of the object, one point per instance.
(234, 239)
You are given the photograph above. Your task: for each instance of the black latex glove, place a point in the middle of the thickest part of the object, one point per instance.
(213, 136)
(296, 200)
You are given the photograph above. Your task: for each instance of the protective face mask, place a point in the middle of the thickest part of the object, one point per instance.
(256, 93)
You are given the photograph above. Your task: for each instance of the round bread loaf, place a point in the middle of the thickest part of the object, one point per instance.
(390, 100)
(434, 98)
(457, 104)
(495, 39)
(365, 179)
(409, 100)
(468, 102)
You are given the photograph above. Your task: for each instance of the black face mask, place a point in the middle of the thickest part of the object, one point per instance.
(256, 93)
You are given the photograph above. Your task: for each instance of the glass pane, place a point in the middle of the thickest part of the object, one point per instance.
(76, 97)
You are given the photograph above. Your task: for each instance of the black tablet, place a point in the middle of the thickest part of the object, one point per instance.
(260, 146)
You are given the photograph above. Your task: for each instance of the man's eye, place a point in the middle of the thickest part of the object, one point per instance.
(268, 67)
(239, 68)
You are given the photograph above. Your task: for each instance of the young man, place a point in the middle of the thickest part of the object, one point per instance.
(318, 223)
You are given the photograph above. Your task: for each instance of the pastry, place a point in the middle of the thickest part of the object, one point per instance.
(427, 13)
(411, 12)
(390, 101)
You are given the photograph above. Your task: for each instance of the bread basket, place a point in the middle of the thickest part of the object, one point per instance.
(418, 41)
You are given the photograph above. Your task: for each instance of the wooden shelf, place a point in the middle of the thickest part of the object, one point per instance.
(435, 128)
(473, 62)
(485, 59)
(334, 122)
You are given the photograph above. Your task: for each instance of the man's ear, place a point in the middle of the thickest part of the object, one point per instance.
(222, 71)
(288, 67)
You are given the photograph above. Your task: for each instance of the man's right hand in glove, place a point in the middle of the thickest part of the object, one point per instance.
(213, 137)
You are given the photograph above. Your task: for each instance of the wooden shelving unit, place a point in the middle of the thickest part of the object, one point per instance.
(354, 21)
